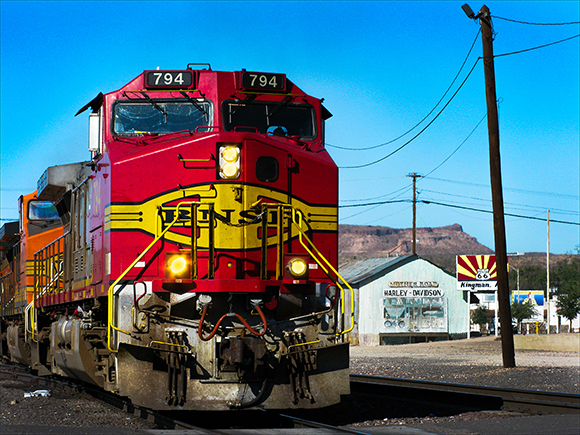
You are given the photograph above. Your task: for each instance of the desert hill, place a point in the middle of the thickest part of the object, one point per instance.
(357, 241)
(439, 245)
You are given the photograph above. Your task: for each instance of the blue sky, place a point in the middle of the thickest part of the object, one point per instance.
(381, 67)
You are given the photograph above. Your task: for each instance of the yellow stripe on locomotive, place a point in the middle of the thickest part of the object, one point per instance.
(232, 217)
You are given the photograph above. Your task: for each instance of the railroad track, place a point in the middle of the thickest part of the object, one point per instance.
(461, 395)
(169, 420)
(23, 373)
(509, 399)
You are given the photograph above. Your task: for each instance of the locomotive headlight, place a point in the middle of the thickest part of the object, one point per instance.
(177, 266)
(229, 156)
(297, 267)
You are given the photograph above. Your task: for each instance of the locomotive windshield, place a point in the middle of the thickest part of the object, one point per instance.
(42, 211)
(271, 117)
(159, 117)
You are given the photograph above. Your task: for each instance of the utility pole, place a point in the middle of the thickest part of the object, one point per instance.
(414, 175)
(505, 317)
(547, 301)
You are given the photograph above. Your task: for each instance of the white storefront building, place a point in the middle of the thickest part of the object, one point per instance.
(405, 299)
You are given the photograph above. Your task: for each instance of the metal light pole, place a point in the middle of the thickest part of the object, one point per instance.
(518, 278)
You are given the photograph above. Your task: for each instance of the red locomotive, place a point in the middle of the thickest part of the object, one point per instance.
(191, 263)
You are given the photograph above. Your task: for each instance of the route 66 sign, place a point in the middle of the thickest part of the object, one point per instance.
(482, 274)
(476, 273)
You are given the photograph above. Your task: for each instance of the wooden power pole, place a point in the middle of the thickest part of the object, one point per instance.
(505, 317)
(415, 176)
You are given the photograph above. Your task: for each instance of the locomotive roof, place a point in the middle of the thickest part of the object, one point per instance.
(289, 87)
(8, 235)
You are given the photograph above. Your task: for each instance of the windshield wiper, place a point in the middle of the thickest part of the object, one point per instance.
(285, 101)
(157, 106)
(243, 104)
(196, 105)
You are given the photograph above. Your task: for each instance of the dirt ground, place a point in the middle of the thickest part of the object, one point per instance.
(476, 361)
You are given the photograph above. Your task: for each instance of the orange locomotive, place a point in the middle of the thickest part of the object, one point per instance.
(193, 261)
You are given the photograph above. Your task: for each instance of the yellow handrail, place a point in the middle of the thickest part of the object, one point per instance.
(139, 257)
(32, 307)
(318, 257)
(296, 220)
(301, 235)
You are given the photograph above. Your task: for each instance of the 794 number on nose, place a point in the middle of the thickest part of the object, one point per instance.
(179, 79)
(263, 81)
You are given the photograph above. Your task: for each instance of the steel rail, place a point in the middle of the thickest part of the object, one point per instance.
(510, 399)
(302, 423)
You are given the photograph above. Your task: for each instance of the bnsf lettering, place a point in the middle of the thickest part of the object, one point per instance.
(203, 215)
(251, 215)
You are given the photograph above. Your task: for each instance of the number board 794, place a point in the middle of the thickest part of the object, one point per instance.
(263, 81)
(169, 79)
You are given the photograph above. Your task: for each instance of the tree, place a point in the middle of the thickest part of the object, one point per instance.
(567, 282)
(523, 310)
(479, 317)
(532, 277)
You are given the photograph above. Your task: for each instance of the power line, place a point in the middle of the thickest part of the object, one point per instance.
(379, 203)
(360, 212)
(534, 192)
(401, 190)
(512, 205)
(507, 214)
(456, 149)
(426, 116)
(535, 24)
(535, 48)
(370, 209)
(407, 187)
(374, 203)
(418, 134)
(374, 178)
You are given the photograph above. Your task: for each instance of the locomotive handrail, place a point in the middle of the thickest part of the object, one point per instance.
(53, 280)
(316, 255)
(181, 159)
(26, 320)
(126, 271)
(40, 270)
(8, 287)
(301, 235)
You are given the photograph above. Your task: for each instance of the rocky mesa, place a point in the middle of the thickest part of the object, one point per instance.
(357, 241)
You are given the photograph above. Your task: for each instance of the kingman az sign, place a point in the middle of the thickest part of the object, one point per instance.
(476, 273)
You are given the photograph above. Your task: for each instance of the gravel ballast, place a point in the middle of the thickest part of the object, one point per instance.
(477, 361)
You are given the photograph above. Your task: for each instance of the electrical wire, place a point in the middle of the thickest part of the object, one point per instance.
(506, 214)
(360, 212)
(433, 170)
(512, 205)
(401, 190)
(374, 203)
(421, 132)
(456, 149)
(535, 24)
(535, 48)
(426, 116)
(533, 192)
